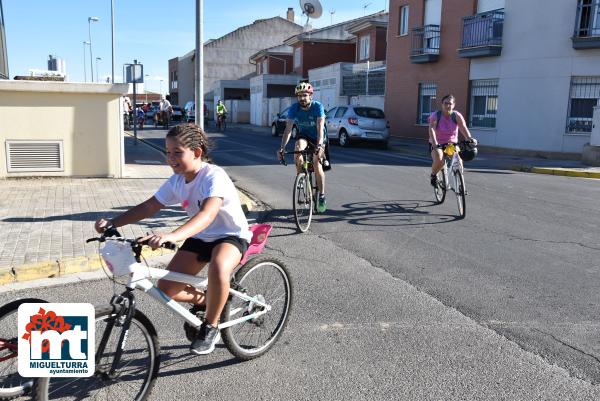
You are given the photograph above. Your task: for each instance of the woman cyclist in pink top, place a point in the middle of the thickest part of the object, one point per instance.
(444, 132)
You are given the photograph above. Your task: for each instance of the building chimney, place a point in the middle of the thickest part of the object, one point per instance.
(290, 14)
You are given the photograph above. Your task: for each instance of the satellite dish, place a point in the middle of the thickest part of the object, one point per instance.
(312, 8)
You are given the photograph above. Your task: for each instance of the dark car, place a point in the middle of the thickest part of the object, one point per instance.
(177, 113)
(278, 124)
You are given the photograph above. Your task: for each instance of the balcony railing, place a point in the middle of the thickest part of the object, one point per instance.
(587, 25)
(425, 44)
(482, 34)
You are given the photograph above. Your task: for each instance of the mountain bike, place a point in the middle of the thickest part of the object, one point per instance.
(12, 385)
(305, 191)
(457, 180)
(128, 350)
(222, 122)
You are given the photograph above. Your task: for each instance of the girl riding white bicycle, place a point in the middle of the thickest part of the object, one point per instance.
(443, 129)
(216, 234)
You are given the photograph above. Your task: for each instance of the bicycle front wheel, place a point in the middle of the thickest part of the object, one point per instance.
(134, 375)
(459, 181)
(268, 280)
(439, 191)
(302, 201)
(12, 385)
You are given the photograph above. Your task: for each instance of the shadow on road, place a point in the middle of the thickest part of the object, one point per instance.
(374, 213)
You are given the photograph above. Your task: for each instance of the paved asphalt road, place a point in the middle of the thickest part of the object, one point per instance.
(525, 262)
(395, 299)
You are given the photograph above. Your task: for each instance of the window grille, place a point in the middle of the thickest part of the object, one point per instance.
(484, 103)
(584, 96)
(427, 96)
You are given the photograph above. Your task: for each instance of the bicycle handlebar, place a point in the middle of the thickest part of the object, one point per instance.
(111, 232)
(305, 152)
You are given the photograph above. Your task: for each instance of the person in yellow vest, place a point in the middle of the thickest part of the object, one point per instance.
(221, 113)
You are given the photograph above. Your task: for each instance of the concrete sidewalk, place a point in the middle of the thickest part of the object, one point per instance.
(44, 222)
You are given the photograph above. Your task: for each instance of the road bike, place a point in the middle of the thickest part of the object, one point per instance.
(128, 350)
(305, 192)
(12, 385)
(454, 181)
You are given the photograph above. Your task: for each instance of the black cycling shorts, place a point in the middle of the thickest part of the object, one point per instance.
(443, 146)
(204, 248)
(311, 141)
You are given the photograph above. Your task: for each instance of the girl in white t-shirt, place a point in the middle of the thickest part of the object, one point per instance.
(216, 233)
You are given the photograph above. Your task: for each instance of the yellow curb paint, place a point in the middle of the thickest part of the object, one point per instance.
(247, 203)
(565, 172)
(36, 271)
(63, 267)
(6, 275)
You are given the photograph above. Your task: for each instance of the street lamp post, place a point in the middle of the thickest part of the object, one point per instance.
(160, 91)
(146, 87)
(90, 20)
(97, 59)
(85, 42)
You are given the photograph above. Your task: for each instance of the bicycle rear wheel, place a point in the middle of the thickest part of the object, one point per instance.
(135, 374)
(268, 280)
(460, 194)
(12, 385)
(302, 201)
(439, 190)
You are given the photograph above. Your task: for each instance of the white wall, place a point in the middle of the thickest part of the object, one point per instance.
(534, 72)
(371, 101)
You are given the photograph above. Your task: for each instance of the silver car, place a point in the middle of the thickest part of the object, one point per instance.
(349, 124)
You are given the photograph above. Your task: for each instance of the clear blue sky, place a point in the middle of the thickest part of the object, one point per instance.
(150, 31)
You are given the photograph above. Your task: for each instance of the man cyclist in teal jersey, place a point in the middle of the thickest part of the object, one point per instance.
(310, 120)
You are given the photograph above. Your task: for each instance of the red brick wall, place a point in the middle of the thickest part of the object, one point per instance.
(377, 44)
(449, 72)
(316, 55)
(276, 65)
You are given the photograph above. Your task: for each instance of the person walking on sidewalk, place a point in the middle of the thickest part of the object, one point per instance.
(310, 119)
(443, 129)
(216, 232)
(165, 110)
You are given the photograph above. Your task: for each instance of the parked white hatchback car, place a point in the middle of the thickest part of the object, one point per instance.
(350, 124)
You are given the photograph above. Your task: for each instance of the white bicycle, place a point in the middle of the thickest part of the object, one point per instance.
(454, 181)
(127, 347)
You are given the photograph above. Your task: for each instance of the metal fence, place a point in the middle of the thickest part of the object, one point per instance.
(483, 29)
(584, 96)
(425, 40)
(363, 79)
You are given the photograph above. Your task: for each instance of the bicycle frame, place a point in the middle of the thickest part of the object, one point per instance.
(121, 262)
(455, 165)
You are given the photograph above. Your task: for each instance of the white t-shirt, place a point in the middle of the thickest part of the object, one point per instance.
(165, 105)
(210, 181)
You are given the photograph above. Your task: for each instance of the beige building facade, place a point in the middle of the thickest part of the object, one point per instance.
(61, 129)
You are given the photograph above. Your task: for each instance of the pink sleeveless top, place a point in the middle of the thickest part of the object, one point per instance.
(447, 130)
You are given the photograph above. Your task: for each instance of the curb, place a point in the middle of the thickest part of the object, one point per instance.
(61, 267)
(566, 172)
